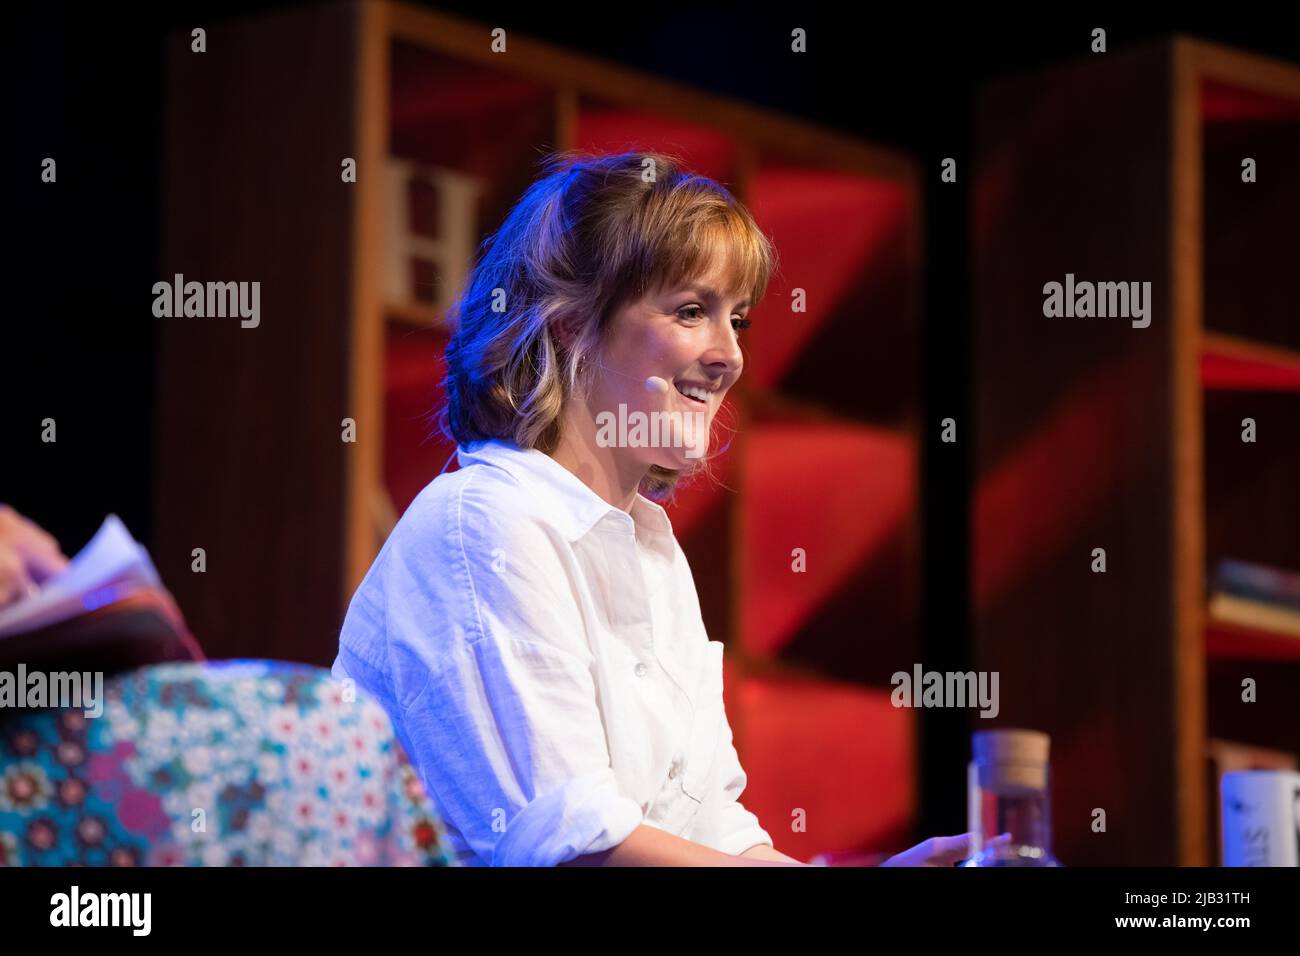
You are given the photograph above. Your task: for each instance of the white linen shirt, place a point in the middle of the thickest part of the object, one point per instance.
(544, 661)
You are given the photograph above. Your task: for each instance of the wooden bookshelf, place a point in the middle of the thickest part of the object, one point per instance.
(1093, 433)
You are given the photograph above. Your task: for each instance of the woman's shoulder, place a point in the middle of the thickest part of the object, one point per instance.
(474, 506)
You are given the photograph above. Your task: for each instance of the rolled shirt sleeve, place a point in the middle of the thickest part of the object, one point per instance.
(492, 674)
(739, 828)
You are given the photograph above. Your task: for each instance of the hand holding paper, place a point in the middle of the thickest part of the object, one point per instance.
(28, 556)
(112, 566)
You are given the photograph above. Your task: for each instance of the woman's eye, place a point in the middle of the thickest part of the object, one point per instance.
(693, 312)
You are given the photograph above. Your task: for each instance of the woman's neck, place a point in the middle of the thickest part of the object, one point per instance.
(607, 471)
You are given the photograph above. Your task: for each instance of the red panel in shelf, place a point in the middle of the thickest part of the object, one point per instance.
(1242, 369)
(414, 451)
(1221, 103)
(842, 754)
(449, 112)
(840, 492)
(799, 208)
(1034, 498)
(1227, 642)
(608, 129)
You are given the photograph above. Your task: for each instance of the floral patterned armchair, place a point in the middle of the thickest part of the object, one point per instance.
(212, 764)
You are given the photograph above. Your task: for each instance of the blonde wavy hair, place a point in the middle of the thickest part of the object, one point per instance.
(593, 233)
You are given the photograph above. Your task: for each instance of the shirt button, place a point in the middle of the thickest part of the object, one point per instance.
(641, 669)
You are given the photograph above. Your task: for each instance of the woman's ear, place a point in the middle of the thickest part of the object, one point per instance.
(566, 331)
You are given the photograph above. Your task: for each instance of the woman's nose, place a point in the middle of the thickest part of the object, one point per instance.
(726, 348)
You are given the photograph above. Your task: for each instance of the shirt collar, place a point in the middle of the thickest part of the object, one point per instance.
(568, 502)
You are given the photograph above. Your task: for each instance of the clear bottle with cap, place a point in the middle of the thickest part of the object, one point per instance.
(1009, 801)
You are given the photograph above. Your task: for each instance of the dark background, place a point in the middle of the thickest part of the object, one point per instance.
(86, 85)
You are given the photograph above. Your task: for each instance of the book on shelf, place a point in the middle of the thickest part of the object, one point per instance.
(107, 610)
(1256, 596)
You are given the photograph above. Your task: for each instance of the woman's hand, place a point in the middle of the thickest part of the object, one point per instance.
(936, 851)
(28, 555)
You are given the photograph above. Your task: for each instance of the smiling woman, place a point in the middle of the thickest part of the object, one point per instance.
(532, 625)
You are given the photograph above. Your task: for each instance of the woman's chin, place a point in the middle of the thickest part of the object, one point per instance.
(677, 459)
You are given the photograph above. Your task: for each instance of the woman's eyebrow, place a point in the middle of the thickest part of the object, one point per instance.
(711, 295)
